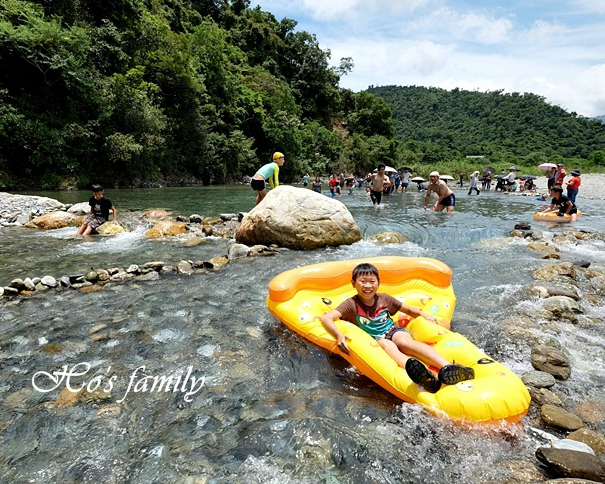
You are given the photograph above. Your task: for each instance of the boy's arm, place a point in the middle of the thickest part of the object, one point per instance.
(115, 213)
(327, 320)
(416, 311)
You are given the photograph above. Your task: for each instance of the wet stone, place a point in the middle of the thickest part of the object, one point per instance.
(80, 285)
(542, 396)
(64, 281)
(538, 379)
(103, 275)
(559, 418)
(76, 278)
(551, 360)
(17, 284)
(28, 284)
(92, 276)
(49, 281)
(149, 276)
(132, 269)
(98, 327)
(156, 265)
(592, 438)
(571, 463)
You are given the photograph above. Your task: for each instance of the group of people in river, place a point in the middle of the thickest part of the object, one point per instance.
(380, 182)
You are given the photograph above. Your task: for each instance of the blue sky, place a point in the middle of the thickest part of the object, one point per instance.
(555, 49)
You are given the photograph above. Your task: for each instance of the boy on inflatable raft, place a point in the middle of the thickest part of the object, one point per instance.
(372, 312)
(562, 204)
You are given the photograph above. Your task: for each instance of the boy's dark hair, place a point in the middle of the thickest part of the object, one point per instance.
(382, 165)
(556, 189)
(97, 188)
(364, 269)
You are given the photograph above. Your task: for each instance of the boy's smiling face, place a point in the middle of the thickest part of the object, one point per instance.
(366, 286)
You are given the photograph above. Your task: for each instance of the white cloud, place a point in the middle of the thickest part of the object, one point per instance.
(469, 26)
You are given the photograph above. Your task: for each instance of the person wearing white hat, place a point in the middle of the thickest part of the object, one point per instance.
(474, 183)
(445, 196)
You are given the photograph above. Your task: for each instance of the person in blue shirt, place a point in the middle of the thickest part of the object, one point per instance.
(270, 172)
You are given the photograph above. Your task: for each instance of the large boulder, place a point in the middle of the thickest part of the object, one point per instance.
(298, 219)
(55, 220)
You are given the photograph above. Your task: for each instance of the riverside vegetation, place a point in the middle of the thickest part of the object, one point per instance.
(134, 93)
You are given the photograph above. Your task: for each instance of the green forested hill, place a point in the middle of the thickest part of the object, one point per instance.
(512, 126)
(125, 92)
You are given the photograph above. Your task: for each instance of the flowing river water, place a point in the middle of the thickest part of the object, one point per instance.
(273, 408)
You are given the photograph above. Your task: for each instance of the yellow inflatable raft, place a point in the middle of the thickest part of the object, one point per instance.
(553, 217)
(299, 296)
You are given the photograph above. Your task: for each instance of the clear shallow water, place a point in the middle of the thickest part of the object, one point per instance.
(274, 408)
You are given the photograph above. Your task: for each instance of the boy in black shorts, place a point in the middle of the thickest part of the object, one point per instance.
(99, 211)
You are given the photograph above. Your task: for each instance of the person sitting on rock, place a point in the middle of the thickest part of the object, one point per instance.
(99, 212)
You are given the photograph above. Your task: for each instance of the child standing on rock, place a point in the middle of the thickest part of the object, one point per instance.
(99, 211)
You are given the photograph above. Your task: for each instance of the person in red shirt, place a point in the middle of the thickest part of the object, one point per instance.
(333, 184)
(560, 175)
(573, 185)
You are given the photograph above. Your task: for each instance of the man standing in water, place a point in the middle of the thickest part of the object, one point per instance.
(445, 196)
(379, 182)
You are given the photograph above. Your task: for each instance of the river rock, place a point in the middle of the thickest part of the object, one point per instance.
(192, 241)
(542, 247)
(551, 360)
(542, 396)
(155, 265)
(559, 418)
(184, 267)
(594, 439)
(28, 284)
(538, 379)
(218, 262)
(54, 220)
(565, 269)
(388, 237)
(226, 230)
(82, 208)
(195, 218)
(166, 228)
(298, 219)
(103, 275)
(17, 283)
(570, 480)
(64, 281)
(212, 220)
(571, 463)
(562, 304)
(11, 291)
(49, 281)
(157, 213)
(149, 276)
(1, 291)
(237, 251)
(111, 228)
(92, 276)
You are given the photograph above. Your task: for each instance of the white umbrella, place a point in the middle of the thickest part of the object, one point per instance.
(547, 166)
(387, 169)
(418, 179)
(446, 177)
